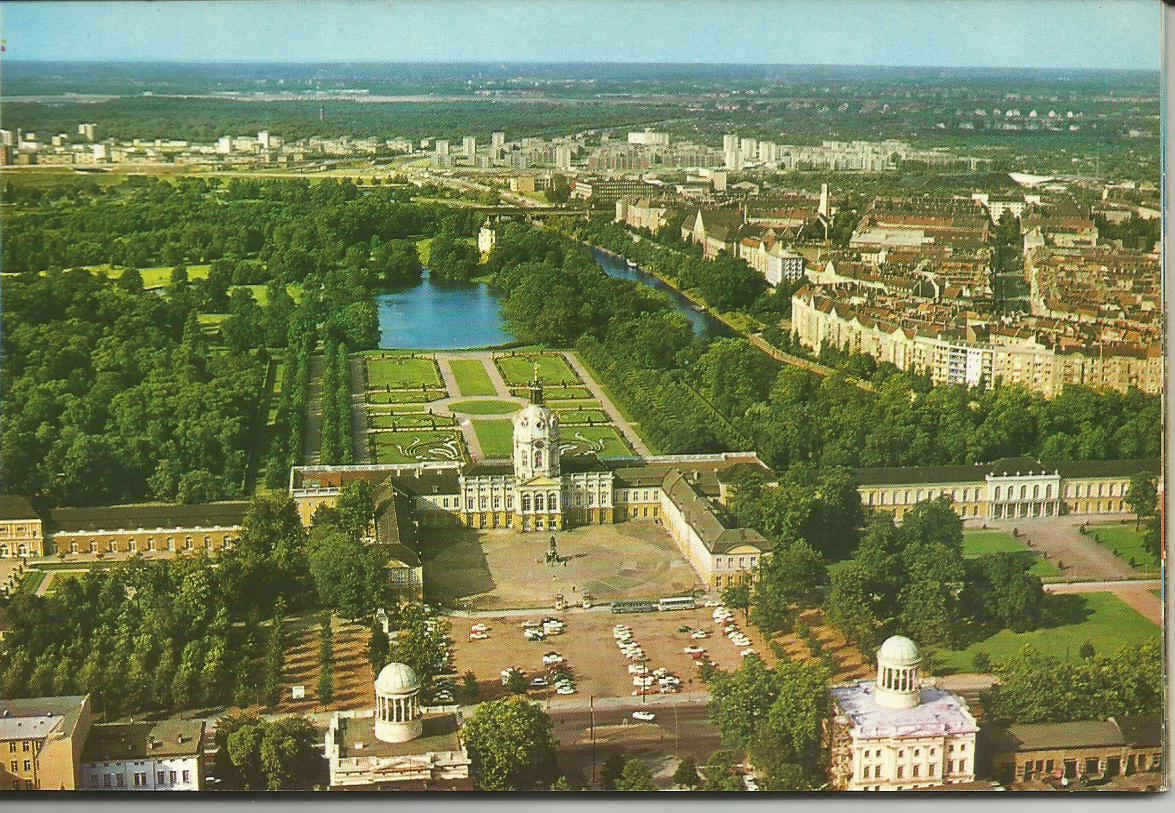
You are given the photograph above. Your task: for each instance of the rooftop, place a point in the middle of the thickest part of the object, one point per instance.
(153, 515)
(14, 506)
(1143, 732)
(704, 520)
(940, 712)
(357, 738)
(29, 718)
(162, 738)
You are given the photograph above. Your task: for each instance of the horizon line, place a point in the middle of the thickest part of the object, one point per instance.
(111, 61)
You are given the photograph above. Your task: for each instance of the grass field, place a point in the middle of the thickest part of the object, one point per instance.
(472, 378)
(403, 371)
(412, 421)
(559, 406)
(411, 447)
(31, 581)
(1126, 543)
(1100, 618)
(583, 416)
(980, 543)
(485, 407)
(404, 397)
(605, 441)
(496, 436)
(153, 277)
(519, 370)
(576, 392)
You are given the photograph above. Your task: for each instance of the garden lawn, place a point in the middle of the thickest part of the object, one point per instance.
(411, 421)
(31, 581)
(1108, 625)
(559, 406)
(485, 407)
(154, 277)
(981, 543)
(472, 378)
(519, 370)
(605, 441)
(404, 396)
(568, 416)
(1126, 543)
(555, 392)
(402, 371)
(496, 436)
(411, 447)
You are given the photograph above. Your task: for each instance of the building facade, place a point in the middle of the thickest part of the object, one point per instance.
(1023, 753)
(1010, 488)
(153, 530)
(159, 756)
(21, 531)
(41, 742)
(894, 733)
(397, 745)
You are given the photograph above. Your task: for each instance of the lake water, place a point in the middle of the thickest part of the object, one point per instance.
(434, 316)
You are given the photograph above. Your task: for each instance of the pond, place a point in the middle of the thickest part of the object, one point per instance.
(442, 316)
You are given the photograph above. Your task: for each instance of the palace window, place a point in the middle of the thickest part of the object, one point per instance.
(538, 459)
(538, 502)
(525, 502)
(497, 501)
(133, 546)
(997, 493)
(1035, 491)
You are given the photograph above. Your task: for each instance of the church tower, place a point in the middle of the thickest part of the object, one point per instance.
(536, 437)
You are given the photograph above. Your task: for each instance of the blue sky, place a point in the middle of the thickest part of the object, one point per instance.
(1004, 33)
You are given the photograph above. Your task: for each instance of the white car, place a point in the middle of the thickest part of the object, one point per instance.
(693, 650)
(746, 653)
(644, 716)
(712, 603)
(479, 628)
(479, 636)
(552, 658)
(526, 625)
(637, 669)
(697, 635)
(661, 672)
(565, 689)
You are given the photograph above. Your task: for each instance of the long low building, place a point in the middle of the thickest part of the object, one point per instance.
(154, 530)
(1009, 488)
(1076, 750)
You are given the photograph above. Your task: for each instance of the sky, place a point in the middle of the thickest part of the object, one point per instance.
(948, 33)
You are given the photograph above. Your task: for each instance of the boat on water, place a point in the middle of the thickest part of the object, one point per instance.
(629, 263)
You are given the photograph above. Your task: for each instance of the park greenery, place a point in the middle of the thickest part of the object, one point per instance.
(337, 446)
(1036, 688)
(255, 754)
(511, 746)
(775, 716)
(451, 259)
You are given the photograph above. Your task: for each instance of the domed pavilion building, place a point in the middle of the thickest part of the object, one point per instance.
(899, 731)
(399, 744)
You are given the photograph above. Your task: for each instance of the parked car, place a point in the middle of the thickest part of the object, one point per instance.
(552, 658)
(697, 635)
(534, 635)
(479, 636)
(644, 716)
(538, 682)
(479, 628)
(531, 624)
(637, 669)
(712, 603)
(565, 689)
(746, 653)
(690, 650)
(506, 673)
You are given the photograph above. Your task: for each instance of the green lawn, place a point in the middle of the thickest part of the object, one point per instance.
(1126, 543)
(404, 396)
(496, 436)
(153, 277)
(403, 371)
(411, 421)
(261, 292)
(1107, 623)
(472, 378)
(577, 392)
(31, 581)
(485, 407)
(559, 406)
(519, 370)
(583, 416)
(413, 447)
(605, 441)
(980, 543)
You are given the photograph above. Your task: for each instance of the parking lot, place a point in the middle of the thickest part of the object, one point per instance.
(588, 646)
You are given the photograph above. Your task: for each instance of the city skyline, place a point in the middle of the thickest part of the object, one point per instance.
(1122, 35)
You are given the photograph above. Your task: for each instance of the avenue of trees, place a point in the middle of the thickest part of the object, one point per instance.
(192, 631)
(337, 446)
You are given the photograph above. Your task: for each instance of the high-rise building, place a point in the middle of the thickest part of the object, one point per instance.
(734, 159)
(749, 148)
(263, 139)
(88, 130)
(224, 145)
(563, 156)
(497, 140)
(469, 146)
(730, 142)
(442, 147)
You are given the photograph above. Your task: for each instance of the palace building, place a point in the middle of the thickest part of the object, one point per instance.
(895, 733)
(1010, 488)
(542, 489)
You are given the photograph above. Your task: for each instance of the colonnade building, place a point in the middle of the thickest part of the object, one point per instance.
(1009, 488)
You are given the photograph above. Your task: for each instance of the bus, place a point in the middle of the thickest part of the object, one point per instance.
(638, 606)
(677, 603)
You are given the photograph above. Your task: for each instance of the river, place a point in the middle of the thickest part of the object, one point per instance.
(436, 316)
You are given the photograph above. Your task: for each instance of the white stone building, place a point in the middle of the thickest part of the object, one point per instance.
(895, 733)
(160, 756)
(396, 745)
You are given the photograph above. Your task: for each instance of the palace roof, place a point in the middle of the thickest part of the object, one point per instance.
(1008, 466)
(149, 516)
(702, 518)
(163, 738)
(14, 506)
(940, 713)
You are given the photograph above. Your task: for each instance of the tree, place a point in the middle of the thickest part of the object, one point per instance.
(1087, 651)
(686, 775)
(356, 509)
(377, 647)
(737, 596)
(511, 746)
(791, 575)
(288, 753)
(450, 259)
(635, 776)
(516, 683)
(791, 732)
(721, 773)
(244, 751)
(349, 576)
(612, 770)
(1142, 497)
(423, 642)
(470, 685)
(198, 486)
(741, 700)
